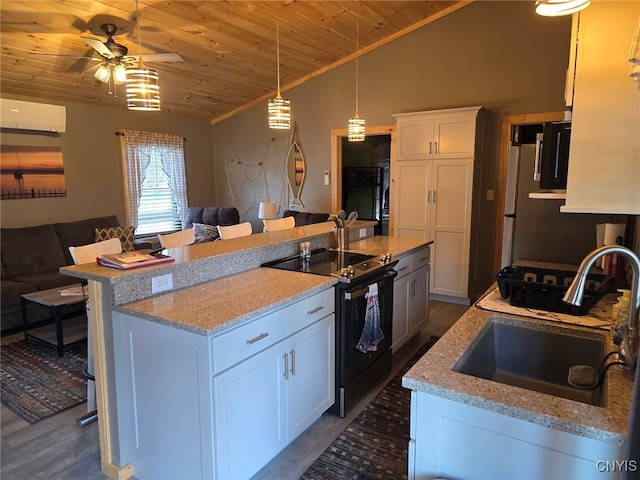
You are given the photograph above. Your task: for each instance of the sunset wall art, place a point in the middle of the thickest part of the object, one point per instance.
(31, 172)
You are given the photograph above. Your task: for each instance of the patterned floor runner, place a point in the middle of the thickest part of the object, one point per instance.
(374, 445)
(36, 383)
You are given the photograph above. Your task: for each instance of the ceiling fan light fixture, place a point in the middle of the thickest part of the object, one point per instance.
(556, 8)
(119, 74)
(143, 89)
(103, 74)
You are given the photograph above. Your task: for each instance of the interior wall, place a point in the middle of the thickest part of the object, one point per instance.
(499, 55)
(93, 168)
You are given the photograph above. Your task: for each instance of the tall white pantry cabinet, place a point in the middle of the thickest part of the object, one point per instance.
(433, 175)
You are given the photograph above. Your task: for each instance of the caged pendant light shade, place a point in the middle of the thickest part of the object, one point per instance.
(143, 84)
(355, 129)
(279, 109)
(143, 89)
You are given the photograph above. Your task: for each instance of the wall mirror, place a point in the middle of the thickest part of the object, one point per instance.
(295, 170)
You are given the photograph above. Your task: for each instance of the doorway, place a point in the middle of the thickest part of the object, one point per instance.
(353, 165)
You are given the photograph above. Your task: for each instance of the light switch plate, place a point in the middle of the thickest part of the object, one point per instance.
(363, 232)
(326, 177)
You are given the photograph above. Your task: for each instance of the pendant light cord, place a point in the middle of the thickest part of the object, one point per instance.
(278, 49)
(357, 56)
(139, 35)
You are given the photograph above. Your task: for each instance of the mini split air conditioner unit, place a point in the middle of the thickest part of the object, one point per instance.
(32, 116)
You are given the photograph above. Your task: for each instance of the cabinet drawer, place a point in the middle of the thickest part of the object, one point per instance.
(420, 259)
(232, 347)
(404, 266)
(307, 311)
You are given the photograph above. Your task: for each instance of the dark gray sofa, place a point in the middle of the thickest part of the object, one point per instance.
(212, 216)
(30, 260)
(306, 218)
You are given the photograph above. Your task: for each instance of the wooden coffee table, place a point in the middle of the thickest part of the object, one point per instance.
(62, 307)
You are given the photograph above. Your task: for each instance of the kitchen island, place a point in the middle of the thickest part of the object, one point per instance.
(463, 426)
(224, 319)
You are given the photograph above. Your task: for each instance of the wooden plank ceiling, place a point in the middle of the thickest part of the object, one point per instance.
(228, 47)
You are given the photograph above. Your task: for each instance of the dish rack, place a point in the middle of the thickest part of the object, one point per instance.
(543, 289)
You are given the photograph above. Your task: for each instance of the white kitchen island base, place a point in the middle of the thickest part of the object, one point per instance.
(454, 440)
(193, 406)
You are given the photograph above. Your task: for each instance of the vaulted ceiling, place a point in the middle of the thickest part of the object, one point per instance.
(228, 47)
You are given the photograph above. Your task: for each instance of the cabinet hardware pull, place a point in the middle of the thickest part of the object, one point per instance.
(422, 259)
(293, 361)
(253, 340)
(286, 366)
(428, 195)
(315, 310)
(430, 152)
(436, 149)
(434, 195)
(401, 269)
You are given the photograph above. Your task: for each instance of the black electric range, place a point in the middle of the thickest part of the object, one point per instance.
(356, 372)
(348, 267)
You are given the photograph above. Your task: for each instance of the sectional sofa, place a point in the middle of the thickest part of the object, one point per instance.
(30, 259)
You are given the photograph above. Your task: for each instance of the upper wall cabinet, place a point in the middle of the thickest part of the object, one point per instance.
(436, 134)
(604, 157)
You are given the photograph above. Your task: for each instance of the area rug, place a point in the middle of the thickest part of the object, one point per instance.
(375, 444)
(36, 383)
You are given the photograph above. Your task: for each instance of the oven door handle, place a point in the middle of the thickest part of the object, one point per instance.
(356, 294)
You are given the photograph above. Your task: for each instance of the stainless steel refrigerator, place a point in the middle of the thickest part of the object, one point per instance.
(534, 228)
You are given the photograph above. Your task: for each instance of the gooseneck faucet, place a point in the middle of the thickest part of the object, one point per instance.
(629, 347)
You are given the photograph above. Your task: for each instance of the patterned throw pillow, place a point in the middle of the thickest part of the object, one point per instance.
(205, 233)
(125, 234)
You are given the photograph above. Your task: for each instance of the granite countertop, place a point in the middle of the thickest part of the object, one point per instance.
(380, 245)
(433, 374)
(212, 307)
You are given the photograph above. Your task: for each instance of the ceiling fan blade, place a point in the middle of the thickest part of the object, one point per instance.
(98, 46)
(84, 63)
(158, 57)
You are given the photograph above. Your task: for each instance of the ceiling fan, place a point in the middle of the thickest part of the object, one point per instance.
(115, 58)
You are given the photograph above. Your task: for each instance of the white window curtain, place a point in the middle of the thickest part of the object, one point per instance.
(137, 148)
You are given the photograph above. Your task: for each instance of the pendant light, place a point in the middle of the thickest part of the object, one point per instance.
(278, 108)
(355, 130)
(143, 87)
(556, 8)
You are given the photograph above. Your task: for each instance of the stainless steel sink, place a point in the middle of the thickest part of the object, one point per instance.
(526, 355)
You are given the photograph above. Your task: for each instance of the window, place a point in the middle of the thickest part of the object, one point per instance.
(155, 183)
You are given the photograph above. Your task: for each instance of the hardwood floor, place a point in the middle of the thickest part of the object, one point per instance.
(55, 448)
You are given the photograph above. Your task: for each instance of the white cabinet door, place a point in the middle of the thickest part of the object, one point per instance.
(411, 205)
(415, 139)
(451, 226)
(419, 299)
(434, 202)
(454, 137)
(310, 385)
(604, 166)
(503, 447)
(251, 417)
(437, 134)
(401, 291)
(410, 296)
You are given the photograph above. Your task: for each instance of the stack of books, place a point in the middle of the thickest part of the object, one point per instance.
(135, 259)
